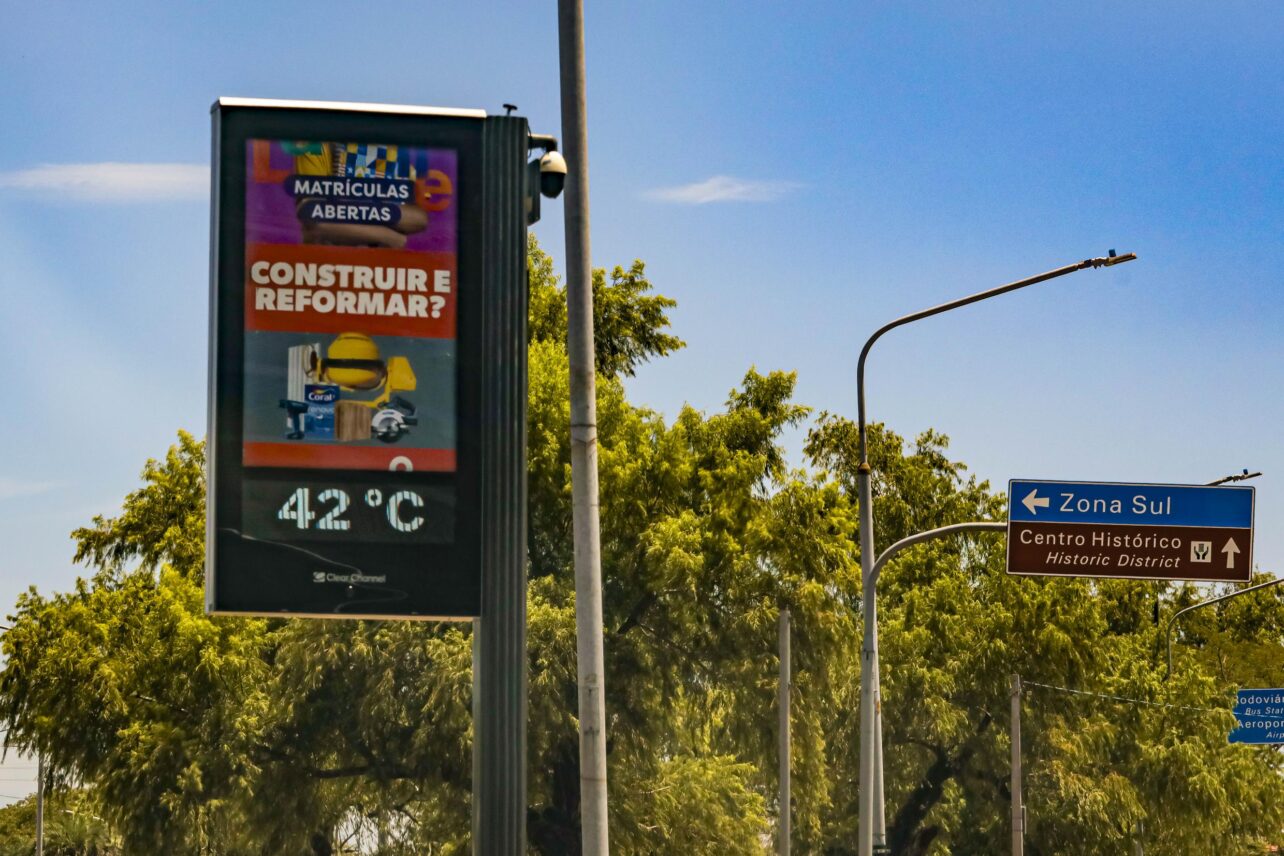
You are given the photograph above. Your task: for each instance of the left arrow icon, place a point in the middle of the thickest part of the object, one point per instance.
(1033, 501)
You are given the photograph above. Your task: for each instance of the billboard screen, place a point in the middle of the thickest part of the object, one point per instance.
(350, 356)
(349, 306)
(346, 298)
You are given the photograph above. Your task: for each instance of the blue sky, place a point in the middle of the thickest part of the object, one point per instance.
(793, 174)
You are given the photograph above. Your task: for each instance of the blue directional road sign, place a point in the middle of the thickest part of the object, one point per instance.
(1131, 531)
(1259, 717)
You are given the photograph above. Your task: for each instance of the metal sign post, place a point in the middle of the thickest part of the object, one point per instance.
(1018, 801)
(1130, 531)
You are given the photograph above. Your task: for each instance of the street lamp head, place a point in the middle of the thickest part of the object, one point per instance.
(1112, 259)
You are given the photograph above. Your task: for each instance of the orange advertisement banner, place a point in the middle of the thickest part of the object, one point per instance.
(329, 289)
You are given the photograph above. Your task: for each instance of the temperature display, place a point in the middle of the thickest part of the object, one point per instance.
(299, 509)
(350, 512)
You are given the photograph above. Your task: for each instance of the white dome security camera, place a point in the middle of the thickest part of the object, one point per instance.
(552, 174)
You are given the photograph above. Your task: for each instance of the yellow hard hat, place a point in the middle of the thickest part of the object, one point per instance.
(352, 360)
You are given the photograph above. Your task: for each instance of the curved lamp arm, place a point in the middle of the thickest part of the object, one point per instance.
(1168, 631)
(1102, 261)
(931, 534)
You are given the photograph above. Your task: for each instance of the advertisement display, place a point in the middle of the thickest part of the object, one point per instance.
(349, 306)
(348, 366)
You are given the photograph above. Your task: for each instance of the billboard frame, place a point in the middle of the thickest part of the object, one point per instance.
(247, 575)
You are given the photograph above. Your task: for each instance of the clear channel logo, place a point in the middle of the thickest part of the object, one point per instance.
(350, 579)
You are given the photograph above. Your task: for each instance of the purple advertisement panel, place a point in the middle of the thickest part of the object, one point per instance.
(350, 306)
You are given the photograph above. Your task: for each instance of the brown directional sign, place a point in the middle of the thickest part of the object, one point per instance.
(1130, 531)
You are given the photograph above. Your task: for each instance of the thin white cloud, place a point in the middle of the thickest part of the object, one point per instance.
(14, 488)
(112, 182)
(723, 188)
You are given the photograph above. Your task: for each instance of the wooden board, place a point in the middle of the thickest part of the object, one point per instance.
(352, 421)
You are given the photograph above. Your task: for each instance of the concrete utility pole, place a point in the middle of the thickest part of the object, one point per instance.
(1018, 801)
(584, 494)
(786, 682)
(40, 804)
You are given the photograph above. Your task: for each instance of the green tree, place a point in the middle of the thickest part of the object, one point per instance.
(73, 827)
(243, 736)
(629, 322)
(237, 735)
(953, 628)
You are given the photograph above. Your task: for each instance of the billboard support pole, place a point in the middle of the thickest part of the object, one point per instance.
(477, 755)
(584, 484)
(500, 728)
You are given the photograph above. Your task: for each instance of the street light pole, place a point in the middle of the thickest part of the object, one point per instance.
(880, 819)
(870, 702)
(40, 787)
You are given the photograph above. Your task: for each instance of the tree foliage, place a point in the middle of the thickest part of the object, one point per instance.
(629, 322)
(72, 827)
(245, 736)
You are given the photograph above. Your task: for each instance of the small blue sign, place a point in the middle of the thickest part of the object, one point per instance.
(1130, 504)
(1259, 717)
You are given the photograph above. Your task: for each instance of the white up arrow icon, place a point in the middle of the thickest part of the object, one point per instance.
(1230, 550)
(1033, 501)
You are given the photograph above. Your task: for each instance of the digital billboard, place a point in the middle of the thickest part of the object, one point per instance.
(348, 428)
